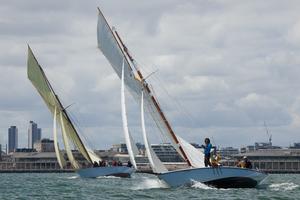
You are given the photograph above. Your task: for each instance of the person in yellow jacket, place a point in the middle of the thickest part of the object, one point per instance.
(215, 160)
(245, 163)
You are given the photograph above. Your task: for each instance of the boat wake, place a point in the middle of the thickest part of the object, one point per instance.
(283, 186)
(149, 183)
(108, 177)
(199, 185)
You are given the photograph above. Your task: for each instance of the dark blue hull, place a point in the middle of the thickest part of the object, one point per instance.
(220, 177)
(118, 171)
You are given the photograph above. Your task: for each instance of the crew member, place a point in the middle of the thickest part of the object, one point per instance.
(207, 148)
(129, 164)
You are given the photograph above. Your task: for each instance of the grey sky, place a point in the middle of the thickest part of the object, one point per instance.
(224, 67)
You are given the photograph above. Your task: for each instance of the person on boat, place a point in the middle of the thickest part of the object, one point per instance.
(248, 164)
(119, 163)
(114, 163)
(245, 163)
(239, 163)
(95, 164)
(101, 163)
(129, 164)
(215, 160)
(207, 148)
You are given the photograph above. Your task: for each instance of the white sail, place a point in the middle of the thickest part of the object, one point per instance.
(156, 165)
(115, 51)
(66, 143)
(59, 155)
(196, 156)
(134, 147)
(125, 124)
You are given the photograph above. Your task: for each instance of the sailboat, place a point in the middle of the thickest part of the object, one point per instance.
(125, 66)
(69, 133)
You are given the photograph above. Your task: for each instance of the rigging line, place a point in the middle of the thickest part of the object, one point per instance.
(179, 108)
(156, 125)
(164, 89)
(78, 125)
(68, 106)
(151, 74)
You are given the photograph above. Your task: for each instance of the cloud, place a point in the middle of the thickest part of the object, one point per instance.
(223, 67)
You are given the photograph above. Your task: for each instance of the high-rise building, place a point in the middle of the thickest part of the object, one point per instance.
(34, 134)
(12, 138)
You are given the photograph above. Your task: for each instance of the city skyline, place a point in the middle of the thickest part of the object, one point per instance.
(257, 144)
(225, 72)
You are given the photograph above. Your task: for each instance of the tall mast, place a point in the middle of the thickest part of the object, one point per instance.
(147, 89)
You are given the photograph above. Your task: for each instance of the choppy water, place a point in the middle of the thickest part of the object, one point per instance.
(140, 186)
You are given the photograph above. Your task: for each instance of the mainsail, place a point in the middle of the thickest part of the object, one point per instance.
(115, 51)
(38, 78)
(156, 165)
(130, 145)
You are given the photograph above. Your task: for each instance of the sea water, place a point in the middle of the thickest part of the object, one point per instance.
(140, 186)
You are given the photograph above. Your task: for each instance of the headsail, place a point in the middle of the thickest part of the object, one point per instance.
(115, 51)
(156, 165)
(38, 78)
(195, 156)
(125, 124)
(66, 143)
(59, 155)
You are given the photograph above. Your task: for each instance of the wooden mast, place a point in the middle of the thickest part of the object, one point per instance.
(145, 85)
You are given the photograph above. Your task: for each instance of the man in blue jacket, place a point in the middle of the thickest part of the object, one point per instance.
(207, 148)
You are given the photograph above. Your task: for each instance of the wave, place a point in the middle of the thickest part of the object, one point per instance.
(199, 185)
(108, 177)
(73, 177)
(149, 183)
(283, 186)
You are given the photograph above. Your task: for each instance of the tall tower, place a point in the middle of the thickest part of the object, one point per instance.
(12, 138)
(34, 134)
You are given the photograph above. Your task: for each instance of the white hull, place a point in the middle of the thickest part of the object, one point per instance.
(221, 177)
(94, 172)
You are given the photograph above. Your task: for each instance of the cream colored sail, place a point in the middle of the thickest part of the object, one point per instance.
(59, 154)
(66, 143)
(38, 78)
(94, 157)
(156, 165)
(125, 123)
